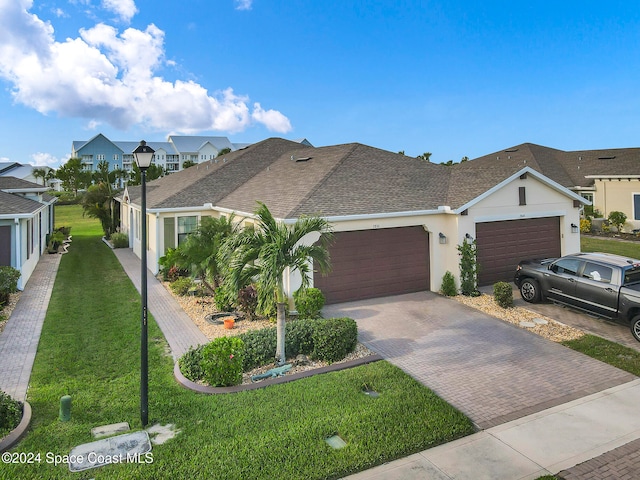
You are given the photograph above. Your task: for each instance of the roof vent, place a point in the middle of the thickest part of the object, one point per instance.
(610, 157)
(512, 150)
(301, 159)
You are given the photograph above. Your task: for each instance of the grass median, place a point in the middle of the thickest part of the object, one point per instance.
(89, 349)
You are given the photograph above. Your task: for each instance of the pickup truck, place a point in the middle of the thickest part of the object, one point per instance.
(604, 284)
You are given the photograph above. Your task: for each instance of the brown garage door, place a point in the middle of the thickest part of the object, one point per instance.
(376, 263)
(501, 245)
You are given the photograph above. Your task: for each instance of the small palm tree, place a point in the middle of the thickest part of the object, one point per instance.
(264, 253)
(200, 251)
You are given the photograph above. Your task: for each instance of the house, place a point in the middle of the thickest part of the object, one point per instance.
(610, 179)
(397, 220)
(25, 172)
(26, 221)
(170, 155)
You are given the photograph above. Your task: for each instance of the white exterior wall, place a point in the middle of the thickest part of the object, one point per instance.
(542, 201)
(207, 152)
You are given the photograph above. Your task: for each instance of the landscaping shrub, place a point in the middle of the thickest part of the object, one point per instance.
(469, 268)
(222, 361)
(10, 413)
(190, 363)
(9, 277)
(448, 287)
(617, 219)
(585, 225)
(503, 294)
(181, 286)
(298, 338)
(224, 299)
(259, 347)
(334, 338)
(309, 302)
(248, 301)
(119, 240)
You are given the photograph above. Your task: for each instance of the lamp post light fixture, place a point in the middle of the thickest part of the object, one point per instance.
(143, 155)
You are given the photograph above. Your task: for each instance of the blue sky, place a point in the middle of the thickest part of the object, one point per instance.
(455, 78)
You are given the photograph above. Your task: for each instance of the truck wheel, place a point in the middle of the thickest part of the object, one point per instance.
(635, 327)
(530, 290)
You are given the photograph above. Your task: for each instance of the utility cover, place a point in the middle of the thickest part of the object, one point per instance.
(130, 447)
(335, 442)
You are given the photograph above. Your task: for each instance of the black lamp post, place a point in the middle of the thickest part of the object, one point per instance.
(143, 154)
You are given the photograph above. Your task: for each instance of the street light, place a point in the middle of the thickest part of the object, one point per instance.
(143, 154)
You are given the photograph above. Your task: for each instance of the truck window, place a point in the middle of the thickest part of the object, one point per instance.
(632, 276)
(568, 266)
(597, 272)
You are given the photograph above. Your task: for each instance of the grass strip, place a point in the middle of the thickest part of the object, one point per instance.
(89, 349)
(625, 249)
(606, 351)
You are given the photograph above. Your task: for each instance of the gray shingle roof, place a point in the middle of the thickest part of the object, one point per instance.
(11, 204)
(13, 183)
(568, 168)
(353, 179)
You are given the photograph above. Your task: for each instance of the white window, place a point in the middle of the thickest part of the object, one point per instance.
(186, 225)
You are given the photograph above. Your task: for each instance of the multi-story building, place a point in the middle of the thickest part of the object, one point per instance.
(170, 155)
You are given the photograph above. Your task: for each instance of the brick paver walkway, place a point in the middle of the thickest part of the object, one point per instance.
(623, 463)
(178, 328)
(20, 337)
(491, 370)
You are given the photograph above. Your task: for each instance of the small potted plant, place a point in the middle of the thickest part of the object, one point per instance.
(229, 322)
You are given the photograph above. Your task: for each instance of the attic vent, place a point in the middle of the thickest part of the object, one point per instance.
(511, 150)
(301, 159)
(611, 157)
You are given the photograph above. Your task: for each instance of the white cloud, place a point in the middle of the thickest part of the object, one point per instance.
(107, 76)
(273, 119)
(243, 4)
(125, 9)
(46, 160)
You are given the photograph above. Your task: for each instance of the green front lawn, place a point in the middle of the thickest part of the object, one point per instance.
(89, 349)
(626, 249)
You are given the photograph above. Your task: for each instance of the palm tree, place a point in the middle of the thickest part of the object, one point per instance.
(264, 253)
(39, 173)
(200, 251)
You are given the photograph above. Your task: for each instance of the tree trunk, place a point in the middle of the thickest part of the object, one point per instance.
(280, 329)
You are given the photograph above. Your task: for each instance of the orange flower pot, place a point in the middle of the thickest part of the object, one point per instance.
(229, 323)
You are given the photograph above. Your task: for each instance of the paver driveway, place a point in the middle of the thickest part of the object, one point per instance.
(491, 370)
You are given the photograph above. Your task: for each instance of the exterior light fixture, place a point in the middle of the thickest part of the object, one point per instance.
(468, 236)
(574, 228)
(442, 238)
(143, 155)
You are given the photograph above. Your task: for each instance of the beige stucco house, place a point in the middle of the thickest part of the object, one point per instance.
(397, 220)
(610, 179)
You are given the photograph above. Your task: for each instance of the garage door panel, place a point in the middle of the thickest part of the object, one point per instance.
(374, 263)
(501, 245)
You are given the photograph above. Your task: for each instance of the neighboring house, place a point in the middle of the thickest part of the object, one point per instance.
(397, 220)
(25, 172)
(170, 155)
(26, 220)
(610, 179)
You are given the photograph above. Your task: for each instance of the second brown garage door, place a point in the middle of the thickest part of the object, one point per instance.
(501, 245)
(376, 263)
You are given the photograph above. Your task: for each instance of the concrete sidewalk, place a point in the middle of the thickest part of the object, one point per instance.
(546, 442)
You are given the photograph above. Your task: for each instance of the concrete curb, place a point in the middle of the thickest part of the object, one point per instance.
(196, 387)
(17, 433)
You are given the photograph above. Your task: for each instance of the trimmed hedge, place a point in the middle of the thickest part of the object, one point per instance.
(503, 294)
(222, 361)
(10, 413)
(325, 339)
(309, 302)
(334, 338)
